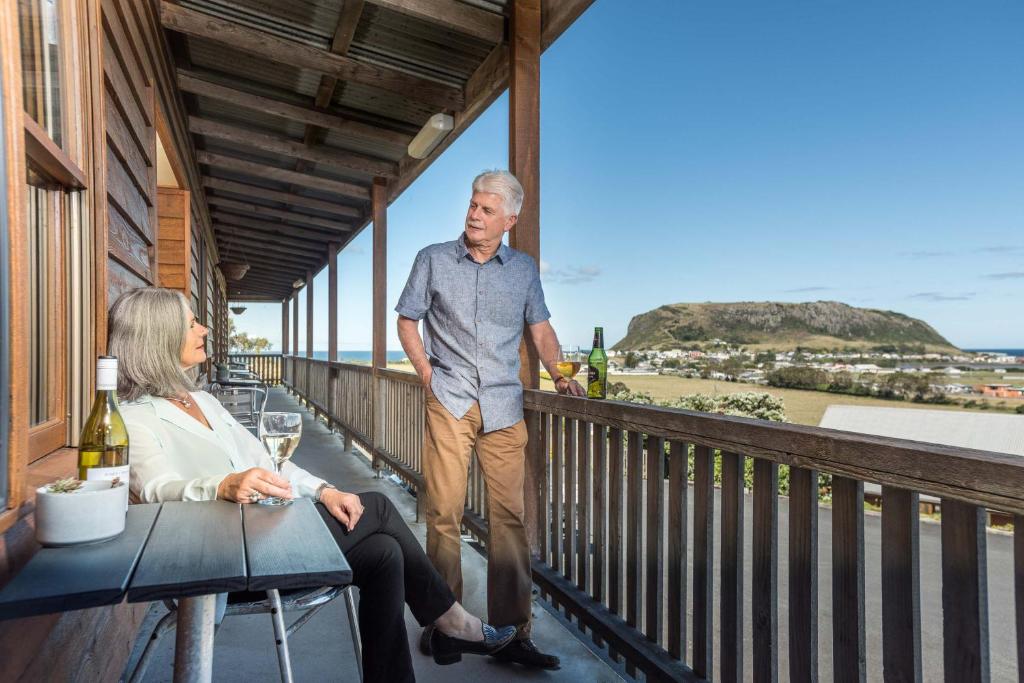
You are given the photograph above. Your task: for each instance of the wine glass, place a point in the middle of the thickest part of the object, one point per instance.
(280, 433)
(569, 361)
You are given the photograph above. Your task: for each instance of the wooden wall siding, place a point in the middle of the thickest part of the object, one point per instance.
(174, 250)
(130, 152)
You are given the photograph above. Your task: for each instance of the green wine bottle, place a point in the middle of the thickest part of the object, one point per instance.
(597, 373)
(103, 446)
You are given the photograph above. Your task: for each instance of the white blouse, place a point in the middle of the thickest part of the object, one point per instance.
(173, 456)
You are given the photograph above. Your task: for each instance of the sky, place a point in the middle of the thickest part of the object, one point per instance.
(864, 152)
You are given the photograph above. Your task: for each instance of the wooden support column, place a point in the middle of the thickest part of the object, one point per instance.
(332, 302)
(295, 324)
(380, 270)
(379, 196)
(284, 327)
(332, 331)
(309, 314)
(524, 163)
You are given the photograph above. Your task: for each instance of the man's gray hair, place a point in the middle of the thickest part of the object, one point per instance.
(147, 333)
(505, 185)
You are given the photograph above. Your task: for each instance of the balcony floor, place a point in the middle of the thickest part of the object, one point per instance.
(321, 650)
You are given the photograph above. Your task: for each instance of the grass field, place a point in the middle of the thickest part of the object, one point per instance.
(802, 407)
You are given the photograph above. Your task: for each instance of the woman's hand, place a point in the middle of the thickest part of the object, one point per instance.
(251, 485)
(345, 507)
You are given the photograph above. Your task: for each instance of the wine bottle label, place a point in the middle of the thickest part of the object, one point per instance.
(107, 473)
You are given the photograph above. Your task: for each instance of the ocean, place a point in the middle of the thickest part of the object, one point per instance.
(1005, 352)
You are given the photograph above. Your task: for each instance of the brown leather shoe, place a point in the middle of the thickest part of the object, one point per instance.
(525, 652)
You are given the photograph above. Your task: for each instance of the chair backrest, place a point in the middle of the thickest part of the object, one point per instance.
(245, 404)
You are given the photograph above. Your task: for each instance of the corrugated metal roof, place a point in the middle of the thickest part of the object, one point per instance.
(966, 429)
(257, 72)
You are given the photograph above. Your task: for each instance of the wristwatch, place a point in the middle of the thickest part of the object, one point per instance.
(320, 491)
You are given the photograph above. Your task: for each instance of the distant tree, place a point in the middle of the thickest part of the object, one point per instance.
(1020, 410)
(670, 363)
(632, 359)
(798, 378)
(241, 341)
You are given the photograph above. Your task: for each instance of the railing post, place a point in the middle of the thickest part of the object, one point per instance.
(964, 592)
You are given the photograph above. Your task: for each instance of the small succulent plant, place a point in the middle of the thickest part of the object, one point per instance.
(65, 485)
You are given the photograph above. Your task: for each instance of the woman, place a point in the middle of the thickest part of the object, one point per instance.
(185, 446)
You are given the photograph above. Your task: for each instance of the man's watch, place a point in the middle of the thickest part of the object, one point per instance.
(320, 491)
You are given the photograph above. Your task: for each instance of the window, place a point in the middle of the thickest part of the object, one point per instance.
(40, 63)
(53, 206)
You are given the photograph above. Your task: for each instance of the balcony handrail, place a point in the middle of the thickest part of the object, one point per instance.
(993, 480)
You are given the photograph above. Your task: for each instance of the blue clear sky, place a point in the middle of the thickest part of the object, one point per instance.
(870, 153)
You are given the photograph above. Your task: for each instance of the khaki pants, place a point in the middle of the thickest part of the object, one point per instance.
(447, 449)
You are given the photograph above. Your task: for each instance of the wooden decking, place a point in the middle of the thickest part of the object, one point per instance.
(321, 650)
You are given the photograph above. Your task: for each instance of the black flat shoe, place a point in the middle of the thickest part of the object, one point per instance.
(448, 650)
(425, 640)
(526, 653)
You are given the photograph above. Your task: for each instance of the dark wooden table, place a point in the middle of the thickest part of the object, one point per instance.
(189, 552)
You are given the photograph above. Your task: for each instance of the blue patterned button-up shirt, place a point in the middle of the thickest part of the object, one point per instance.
(473, 315)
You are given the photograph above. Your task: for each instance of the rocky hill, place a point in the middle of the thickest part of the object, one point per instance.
(779, 326)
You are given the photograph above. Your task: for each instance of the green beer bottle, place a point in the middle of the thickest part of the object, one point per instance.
(597, 373)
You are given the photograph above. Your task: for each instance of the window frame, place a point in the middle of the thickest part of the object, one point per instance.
(55, 165)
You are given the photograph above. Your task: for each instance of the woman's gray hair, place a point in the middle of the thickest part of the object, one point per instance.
(505, 185)
(147, 330)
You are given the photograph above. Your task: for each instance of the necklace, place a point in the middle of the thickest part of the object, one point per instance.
(183, 401)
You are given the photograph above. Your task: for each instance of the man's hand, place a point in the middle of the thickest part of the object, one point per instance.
(344, 507)
(571, 387)
(426, 377)
(251, 485)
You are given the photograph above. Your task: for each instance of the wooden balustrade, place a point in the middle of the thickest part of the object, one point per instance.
(615, 485)
(266, 365)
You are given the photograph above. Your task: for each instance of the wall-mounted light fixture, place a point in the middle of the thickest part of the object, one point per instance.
(432, 132)
(298, 283)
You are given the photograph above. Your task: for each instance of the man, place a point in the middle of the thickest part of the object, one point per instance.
(475, 295)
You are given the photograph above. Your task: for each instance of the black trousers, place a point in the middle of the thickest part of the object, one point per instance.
(391, 570)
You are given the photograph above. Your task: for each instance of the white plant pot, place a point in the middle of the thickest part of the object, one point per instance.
(93, 513)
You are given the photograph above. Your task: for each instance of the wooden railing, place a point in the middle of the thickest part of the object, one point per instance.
(622, 499)
(266, 365)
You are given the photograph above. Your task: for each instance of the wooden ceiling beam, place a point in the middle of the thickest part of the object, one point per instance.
(344, 161)
(293, 265)
(259, 210)
(243, 298)
(344, 32)
(486, 84)
(237, 221)
(453, 15)
(314, 245)
(194, 23)
(290, 198)
(238, 292)
(278, 280)
(193, 83)
(258, 170)
(232, 236)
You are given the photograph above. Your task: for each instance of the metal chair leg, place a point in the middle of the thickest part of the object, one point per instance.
(166, 623)
(280, 636)
(353, 622)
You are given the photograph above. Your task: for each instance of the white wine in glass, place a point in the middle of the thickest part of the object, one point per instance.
(280, 433)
